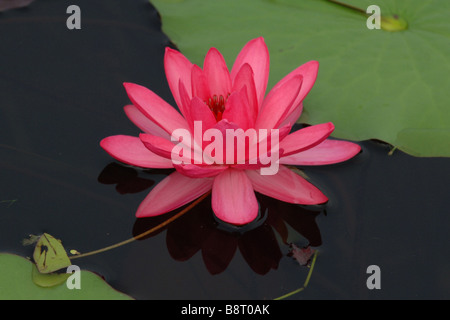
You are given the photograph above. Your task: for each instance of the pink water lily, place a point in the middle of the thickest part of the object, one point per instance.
(220, 99)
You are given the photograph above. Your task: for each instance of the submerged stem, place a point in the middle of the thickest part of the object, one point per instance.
(308, 277)
(139, 236)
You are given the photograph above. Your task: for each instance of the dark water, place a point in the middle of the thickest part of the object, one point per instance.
(61, 93)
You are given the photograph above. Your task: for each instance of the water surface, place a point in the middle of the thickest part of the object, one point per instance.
(61, 93)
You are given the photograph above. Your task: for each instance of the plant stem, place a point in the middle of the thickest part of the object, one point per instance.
(311, 270)
(391, 152)
(11, 202)
(308, 277)
(161, 225)
(348, 6)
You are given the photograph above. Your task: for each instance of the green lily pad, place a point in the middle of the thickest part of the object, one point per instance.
(16, 283)
(372, 84)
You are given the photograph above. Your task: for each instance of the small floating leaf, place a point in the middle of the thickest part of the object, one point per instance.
(50, 255)
(302, 255)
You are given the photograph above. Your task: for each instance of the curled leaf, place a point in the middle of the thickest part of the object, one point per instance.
(50, 255)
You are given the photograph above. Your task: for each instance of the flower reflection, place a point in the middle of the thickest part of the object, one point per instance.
(218, 242)
(126, 179)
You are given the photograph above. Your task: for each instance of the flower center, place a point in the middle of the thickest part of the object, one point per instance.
(217, 105)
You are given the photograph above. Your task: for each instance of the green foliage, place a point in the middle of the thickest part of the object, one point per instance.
(17, 282)
(50, 255)
(372, 84)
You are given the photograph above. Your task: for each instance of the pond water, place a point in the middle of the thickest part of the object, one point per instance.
(61, 93)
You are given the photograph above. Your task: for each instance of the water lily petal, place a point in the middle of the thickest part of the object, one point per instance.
(131, 150)
(259, 150)
(196, 171)
(216, 73)
(309, 72)
(249, 166)
(171, 193)
(185, 100)
(293, 116)
(233, 199)
(256, 54)
(244, 78)
(222, 153)
(286, 186)
(199, 111)
(159, 146)
(238, 111)
(224, 125)
(178, 68)
(198, 115)
(306, 138)
(144, 123)
(200, 87)
(278, 103)
(328, 152)
(155, 108)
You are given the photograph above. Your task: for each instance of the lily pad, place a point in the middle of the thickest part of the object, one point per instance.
(16, 283)
(372, 84)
